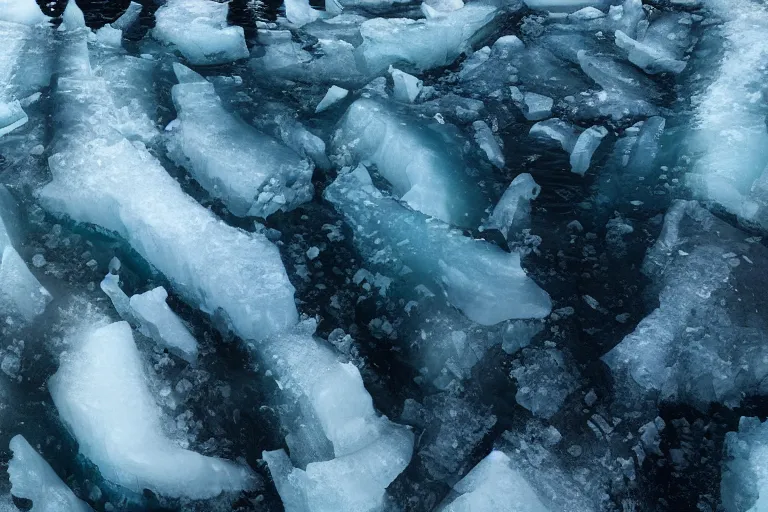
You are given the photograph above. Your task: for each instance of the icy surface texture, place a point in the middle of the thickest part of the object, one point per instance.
(102, 179)
(493, 486)
(21, 294)
(485, 283)
(251, 172)
(419, 162)
(707, 325)
(729, 139)
(423, 44)
(368, 451)
(101, 394)
(198, 28)
(744, 485)
(33, 479)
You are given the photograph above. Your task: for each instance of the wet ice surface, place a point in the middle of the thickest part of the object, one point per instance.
(363, 255)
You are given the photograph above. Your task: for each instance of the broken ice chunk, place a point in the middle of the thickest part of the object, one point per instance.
(334, 95)
(368, 451)
(251, 172)
(24, 12)
(537, 106)
(101, 394)
(299, 12)
(422, 166)
(493, 486)
(198, 28)
(406, 87)
(100, 178)
(557, 130)
(487, 142)
(157, 321)
(121, 302)
(563, 5)
(72, 18)
(21, 294)
(129, 17)
(744, 480)
(423, 44)
(514, 206)
(585, 147)
(648, 58)
(485, 283)
(32, 478)
(11, 117)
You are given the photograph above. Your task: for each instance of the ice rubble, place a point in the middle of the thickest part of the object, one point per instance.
(349, 453)
(102, 179)
(21, 294)
(693, 346)
(485, 283)
(198, 28)
(419, 162)
(744, 480)
(154, 319)
(251, 172)
(33, 479)
(493, 486)
(728, 144)
(423, 44)
(101, 394)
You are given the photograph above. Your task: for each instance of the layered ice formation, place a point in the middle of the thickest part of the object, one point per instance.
(101, 393)
(349, 453)
(252, 173)
(102, 179)
(419, 162)
(485, 283)
(199, 30)
(33, 479)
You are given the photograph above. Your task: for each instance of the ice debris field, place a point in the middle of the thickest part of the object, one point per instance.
(384, 255)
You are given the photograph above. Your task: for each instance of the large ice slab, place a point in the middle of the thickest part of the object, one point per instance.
(251, 172)
(198, 28)
(33, 479)
(101, 394)
(494, 486)
(367, 450)
(100, 178)
(744, 480)
(729, 140)
(419, 162)
(423, 44)
(484, 282)
(708, 325)
(21, 294)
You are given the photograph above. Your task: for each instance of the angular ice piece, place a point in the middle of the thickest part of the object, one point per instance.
(557, 130)
(251, 172)
(24, 12)
(157, 321)
(406, 87)
(121, 302)
(563, 5)
(334, 95)
(11, 117)
(493, 486)
(33, 479)
(72, 18)
(514, 206)
(585, 147)
(102, 179)
(368, 451)
(537, 106)
(198, 28)
(101, 394)
(129, 17)
(744, 480)
(729, 146)
(423, 44)
(650, 59)
(299, 12)
(487, 142)
(485, 283)
(21, 294)
(421, 165)
(695, 346)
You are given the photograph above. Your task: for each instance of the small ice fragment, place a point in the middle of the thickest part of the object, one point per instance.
(585, 147)
(334, 95)
(406, 87)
